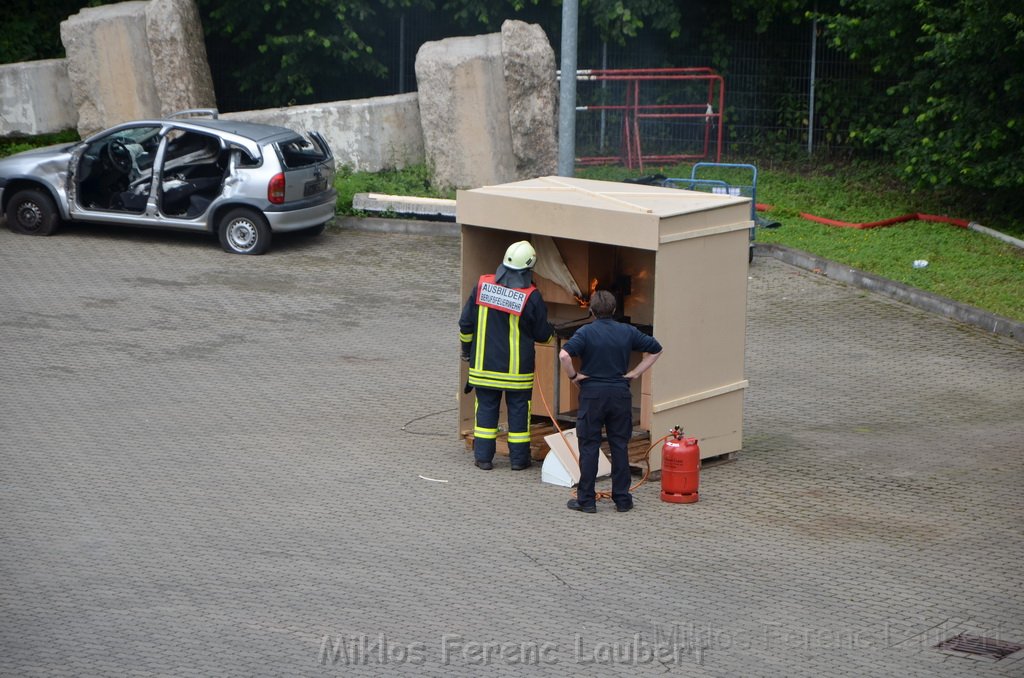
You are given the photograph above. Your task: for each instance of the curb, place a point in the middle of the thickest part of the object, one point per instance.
(403, 226)
(990, 322)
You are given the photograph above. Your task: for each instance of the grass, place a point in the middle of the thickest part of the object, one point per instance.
(963, 265)
(411, 181)
(19, 144)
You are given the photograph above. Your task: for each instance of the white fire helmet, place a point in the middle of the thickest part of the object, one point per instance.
(520, 255)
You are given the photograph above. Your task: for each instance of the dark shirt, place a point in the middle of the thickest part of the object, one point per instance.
(604, 347)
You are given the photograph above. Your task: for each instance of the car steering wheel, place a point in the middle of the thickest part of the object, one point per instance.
(119, 155)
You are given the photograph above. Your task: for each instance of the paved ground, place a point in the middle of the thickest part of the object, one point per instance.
(210, 465)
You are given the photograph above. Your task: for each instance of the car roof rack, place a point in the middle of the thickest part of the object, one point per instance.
(191, 112)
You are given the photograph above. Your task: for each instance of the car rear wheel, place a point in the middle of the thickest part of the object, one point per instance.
(32, 212)
(244, 231)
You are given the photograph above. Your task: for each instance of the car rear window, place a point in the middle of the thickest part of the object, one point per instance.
(301, 151)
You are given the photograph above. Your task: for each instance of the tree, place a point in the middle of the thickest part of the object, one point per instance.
(30, 30)
(280, 52)
(615, 20)
(956, 111)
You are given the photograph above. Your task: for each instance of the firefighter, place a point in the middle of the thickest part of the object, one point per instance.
(502, 318)
(603, 347)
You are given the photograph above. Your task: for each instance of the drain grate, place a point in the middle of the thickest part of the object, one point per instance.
(977, 645)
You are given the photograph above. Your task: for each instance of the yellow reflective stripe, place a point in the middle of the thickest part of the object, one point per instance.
(501, 385)
(481, 328)
(515, 382)
(487, 374)
(513, 344)
(465, 338)
(485, 433)
(523, 436)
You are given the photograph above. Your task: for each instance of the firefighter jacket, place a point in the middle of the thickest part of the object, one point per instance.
(498, 328)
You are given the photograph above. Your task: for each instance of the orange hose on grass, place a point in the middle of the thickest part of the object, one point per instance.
(913, 216)
(916, 216)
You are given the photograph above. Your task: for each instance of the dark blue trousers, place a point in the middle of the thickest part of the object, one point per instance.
(610, 408)
(488, 404)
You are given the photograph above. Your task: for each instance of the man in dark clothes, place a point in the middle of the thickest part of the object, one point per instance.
(603, 347)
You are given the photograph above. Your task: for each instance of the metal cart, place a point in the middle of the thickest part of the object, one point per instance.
(699, 181)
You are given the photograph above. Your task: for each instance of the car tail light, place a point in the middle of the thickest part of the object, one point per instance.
(275, 189)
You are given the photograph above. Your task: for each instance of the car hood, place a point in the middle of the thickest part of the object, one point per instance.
(27, 161)
(51, 151)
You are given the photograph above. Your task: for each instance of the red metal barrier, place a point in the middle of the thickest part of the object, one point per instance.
(634, 111)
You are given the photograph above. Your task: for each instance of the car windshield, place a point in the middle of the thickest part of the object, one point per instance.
(301, 151)
(138, 135)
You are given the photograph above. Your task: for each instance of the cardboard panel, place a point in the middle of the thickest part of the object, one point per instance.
(700, 314)
(639, 266)
(734, 215)
(544, 383)
(583, 222)
(717, 423)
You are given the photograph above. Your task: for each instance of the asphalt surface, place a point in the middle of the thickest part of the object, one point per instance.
(216, 465)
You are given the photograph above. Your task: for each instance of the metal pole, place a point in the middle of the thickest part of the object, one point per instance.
(814, 62)
(401, 54)
(567, 91)
(604, 87)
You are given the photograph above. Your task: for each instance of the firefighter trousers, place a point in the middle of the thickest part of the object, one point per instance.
(485, 434)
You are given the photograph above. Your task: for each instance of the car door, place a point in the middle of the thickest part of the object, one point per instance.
(192, 168)
(110, 176)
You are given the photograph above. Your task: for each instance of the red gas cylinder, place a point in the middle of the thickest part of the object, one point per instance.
(680, 468)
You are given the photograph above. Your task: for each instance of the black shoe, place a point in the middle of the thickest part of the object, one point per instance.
(483, 465)
(622, 508)
(522, 467)
(575, 506)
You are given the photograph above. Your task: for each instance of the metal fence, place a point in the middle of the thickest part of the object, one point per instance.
(788, 95)
(770, 85)
(647, 116)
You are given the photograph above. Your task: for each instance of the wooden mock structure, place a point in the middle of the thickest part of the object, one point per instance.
(678, 261)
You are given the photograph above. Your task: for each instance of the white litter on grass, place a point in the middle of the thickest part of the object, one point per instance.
(433, 480)
(920, 263)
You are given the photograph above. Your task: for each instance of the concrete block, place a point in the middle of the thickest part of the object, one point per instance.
(464, 111)
(366, 135)
(488, 106)
(532, 91)
(177, 52)
(437, 208)
(135, 60)
(35, 98)
(109, 65)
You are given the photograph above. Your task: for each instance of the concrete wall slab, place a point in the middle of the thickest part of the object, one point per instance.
(35, 98)
(366, 135)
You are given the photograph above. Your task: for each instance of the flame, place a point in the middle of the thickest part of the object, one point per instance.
(584, 302)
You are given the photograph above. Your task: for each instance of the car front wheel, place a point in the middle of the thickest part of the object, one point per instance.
(32, 212)
(244, 231)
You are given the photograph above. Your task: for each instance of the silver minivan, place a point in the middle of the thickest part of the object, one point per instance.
(243, 181)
